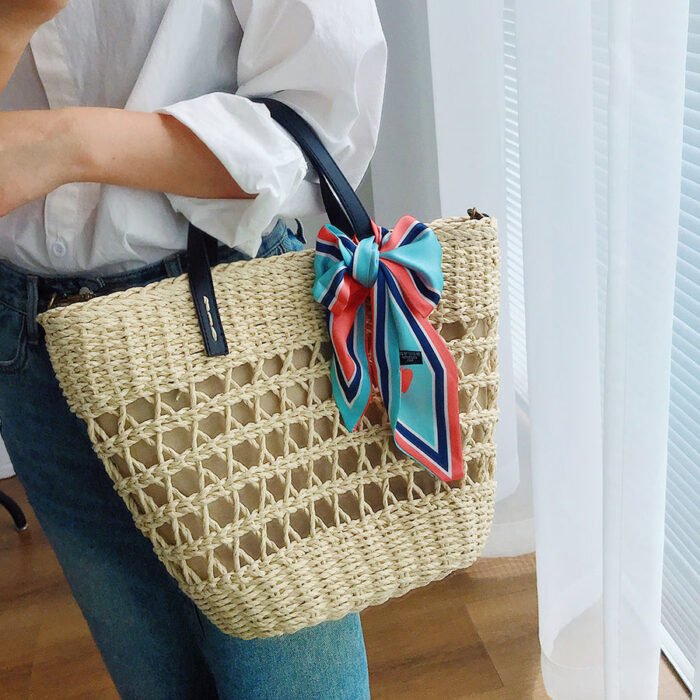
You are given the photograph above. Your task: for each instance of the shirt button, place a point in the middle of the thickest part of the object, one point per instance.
(59, 248)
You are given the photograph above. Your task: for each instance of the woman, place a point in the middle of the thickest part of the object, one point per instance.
(120, 121)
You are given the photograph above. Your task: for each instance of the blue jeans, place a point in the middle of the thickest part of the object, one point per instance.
(154, 641)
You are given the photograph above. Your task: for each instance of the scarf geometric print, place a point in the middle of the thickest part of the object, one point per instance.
(379, 292)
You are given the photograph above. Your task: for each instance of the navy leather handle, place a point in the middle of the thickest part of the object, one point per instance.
(343, 207)
(201, 255)
(333, 182)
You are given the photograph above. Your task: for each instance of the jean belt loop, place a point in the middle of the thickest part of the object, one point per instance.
(32, 309)
(300, 230)
(173, 265)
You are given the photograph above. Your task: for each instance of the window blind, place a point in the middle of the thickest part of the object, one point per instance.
(681, 578)
(512, 214)
(681, 584)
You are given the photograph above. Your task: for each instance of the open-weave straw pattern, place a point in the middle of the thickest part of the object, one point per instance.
(266, 510)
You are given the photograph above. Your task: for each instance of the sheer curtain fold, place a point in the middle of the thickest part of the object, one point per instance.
(565, 120)
(599, 419)
(470, 173)
(557, 166)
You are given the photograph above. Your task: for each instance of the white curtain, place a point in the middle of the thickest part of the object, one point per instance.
(574, 142)
(600, 183)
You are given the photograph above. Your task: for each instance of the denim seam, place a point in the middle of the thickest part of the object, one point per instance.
(31, 325)
(11, 307)
(279, 249)
(19, 361)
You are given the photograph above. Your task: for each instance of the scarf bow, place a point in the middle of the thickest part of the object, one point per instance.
(379, 292)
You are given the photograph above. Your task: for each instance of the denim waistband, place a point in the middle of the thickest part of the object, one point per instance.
(30, 293)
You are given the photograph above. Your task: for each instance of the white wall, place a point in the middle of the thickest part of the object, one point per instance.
(442, 123)
(404, 167)
(466, 58)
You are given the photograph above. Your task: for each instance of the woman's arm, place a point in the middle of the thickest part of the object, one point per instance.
(147, 151)
(11, 48)
(43, 149)
(325, 60)
(19, 19)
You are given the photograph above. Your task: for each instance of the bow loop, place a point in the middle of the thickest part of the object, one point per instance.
(394, 279)
(365, 262)
(416, 260)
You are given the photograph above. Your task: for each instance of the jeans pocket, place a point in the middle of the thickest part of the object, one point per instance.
(289, 243)
(13, 343)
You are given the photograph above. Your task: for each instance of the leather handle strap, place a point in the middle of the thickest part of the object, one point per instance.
(201, 255)
(333, 182)
(343, 206)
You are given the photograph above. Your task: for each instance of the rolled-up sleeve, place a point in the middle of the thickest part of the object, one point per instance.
(324, 58)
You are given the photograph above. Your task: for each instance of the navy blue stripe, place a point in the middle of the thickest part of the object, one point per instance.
(347, 243)
(329, 249)
(349, 390)
(426, 291)
(417, 229)
(442, 453)
(333, 286)
(415, 440)
(380, 357)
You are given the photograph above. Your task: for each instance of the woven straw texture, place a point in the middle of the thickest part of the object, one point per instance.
(270, 515)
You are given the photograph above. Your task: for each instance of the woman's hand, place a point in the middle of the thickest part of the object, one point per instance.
(37, 155)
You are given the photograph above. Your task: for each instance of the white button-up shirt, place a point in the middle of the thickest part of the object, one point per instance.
(198, 60)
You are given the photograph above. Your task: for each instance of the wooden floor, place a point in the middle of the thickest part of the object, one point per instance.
(473, 635)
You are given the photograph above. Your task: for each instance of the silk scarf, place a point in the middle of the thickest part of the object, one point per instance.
(379, 292)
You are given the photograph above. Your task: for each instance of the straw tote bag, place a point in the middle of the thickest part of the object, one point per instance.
(214, 401)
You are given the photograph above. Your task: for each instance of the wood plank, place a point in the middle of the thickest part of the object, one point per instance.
(472, 635)
(425, 645)
(46, 650)
(671, 687)
(507, 626)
